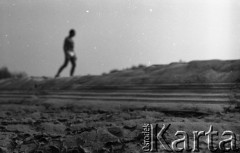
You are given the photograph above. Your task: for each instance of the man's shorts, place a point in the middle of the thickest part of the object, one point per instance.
(71, 54)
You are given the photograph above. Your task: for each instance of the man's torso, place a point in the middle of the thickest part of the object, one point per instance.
(68, 44)
(69, 47)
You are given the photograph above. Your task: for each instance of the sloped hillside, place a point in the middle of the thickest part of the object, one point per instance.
(200, 72)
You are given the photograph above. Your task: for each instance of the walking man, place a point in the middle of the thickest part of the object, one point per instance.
(70, 55)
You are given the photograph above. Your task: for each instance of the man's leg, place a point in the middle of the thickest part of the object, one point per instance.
(73, 62)
(62, 67)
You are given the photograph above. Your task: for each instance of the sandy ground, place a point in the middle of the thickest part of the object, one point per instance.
(51, 125)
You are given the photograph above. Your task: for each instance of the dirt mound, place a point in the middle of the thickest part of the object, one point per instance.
(211, 71)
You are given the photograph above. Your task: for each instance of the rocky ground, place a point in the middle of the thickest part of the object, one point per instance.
(54, 126)
(189, 96)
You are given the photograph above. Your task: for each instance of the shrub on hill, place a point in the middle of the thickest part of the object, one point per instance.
(5, 73)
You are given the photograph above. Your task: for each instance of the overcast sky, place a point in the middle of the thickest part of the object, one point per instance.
(116, 34)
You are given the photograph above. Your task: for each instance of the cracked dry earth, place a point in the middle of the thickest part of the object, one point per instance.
(38, 126)
(59, 126)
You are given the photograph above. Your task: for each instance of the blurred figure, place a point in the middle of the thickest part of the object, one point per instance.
(70, 55)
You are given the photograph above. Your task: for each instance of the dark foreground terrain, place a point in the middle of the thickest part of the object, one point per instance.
(68, 121)
(106, 114)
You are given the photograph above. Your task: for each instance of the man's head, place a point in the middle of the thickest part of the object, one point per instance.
(72, 33)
